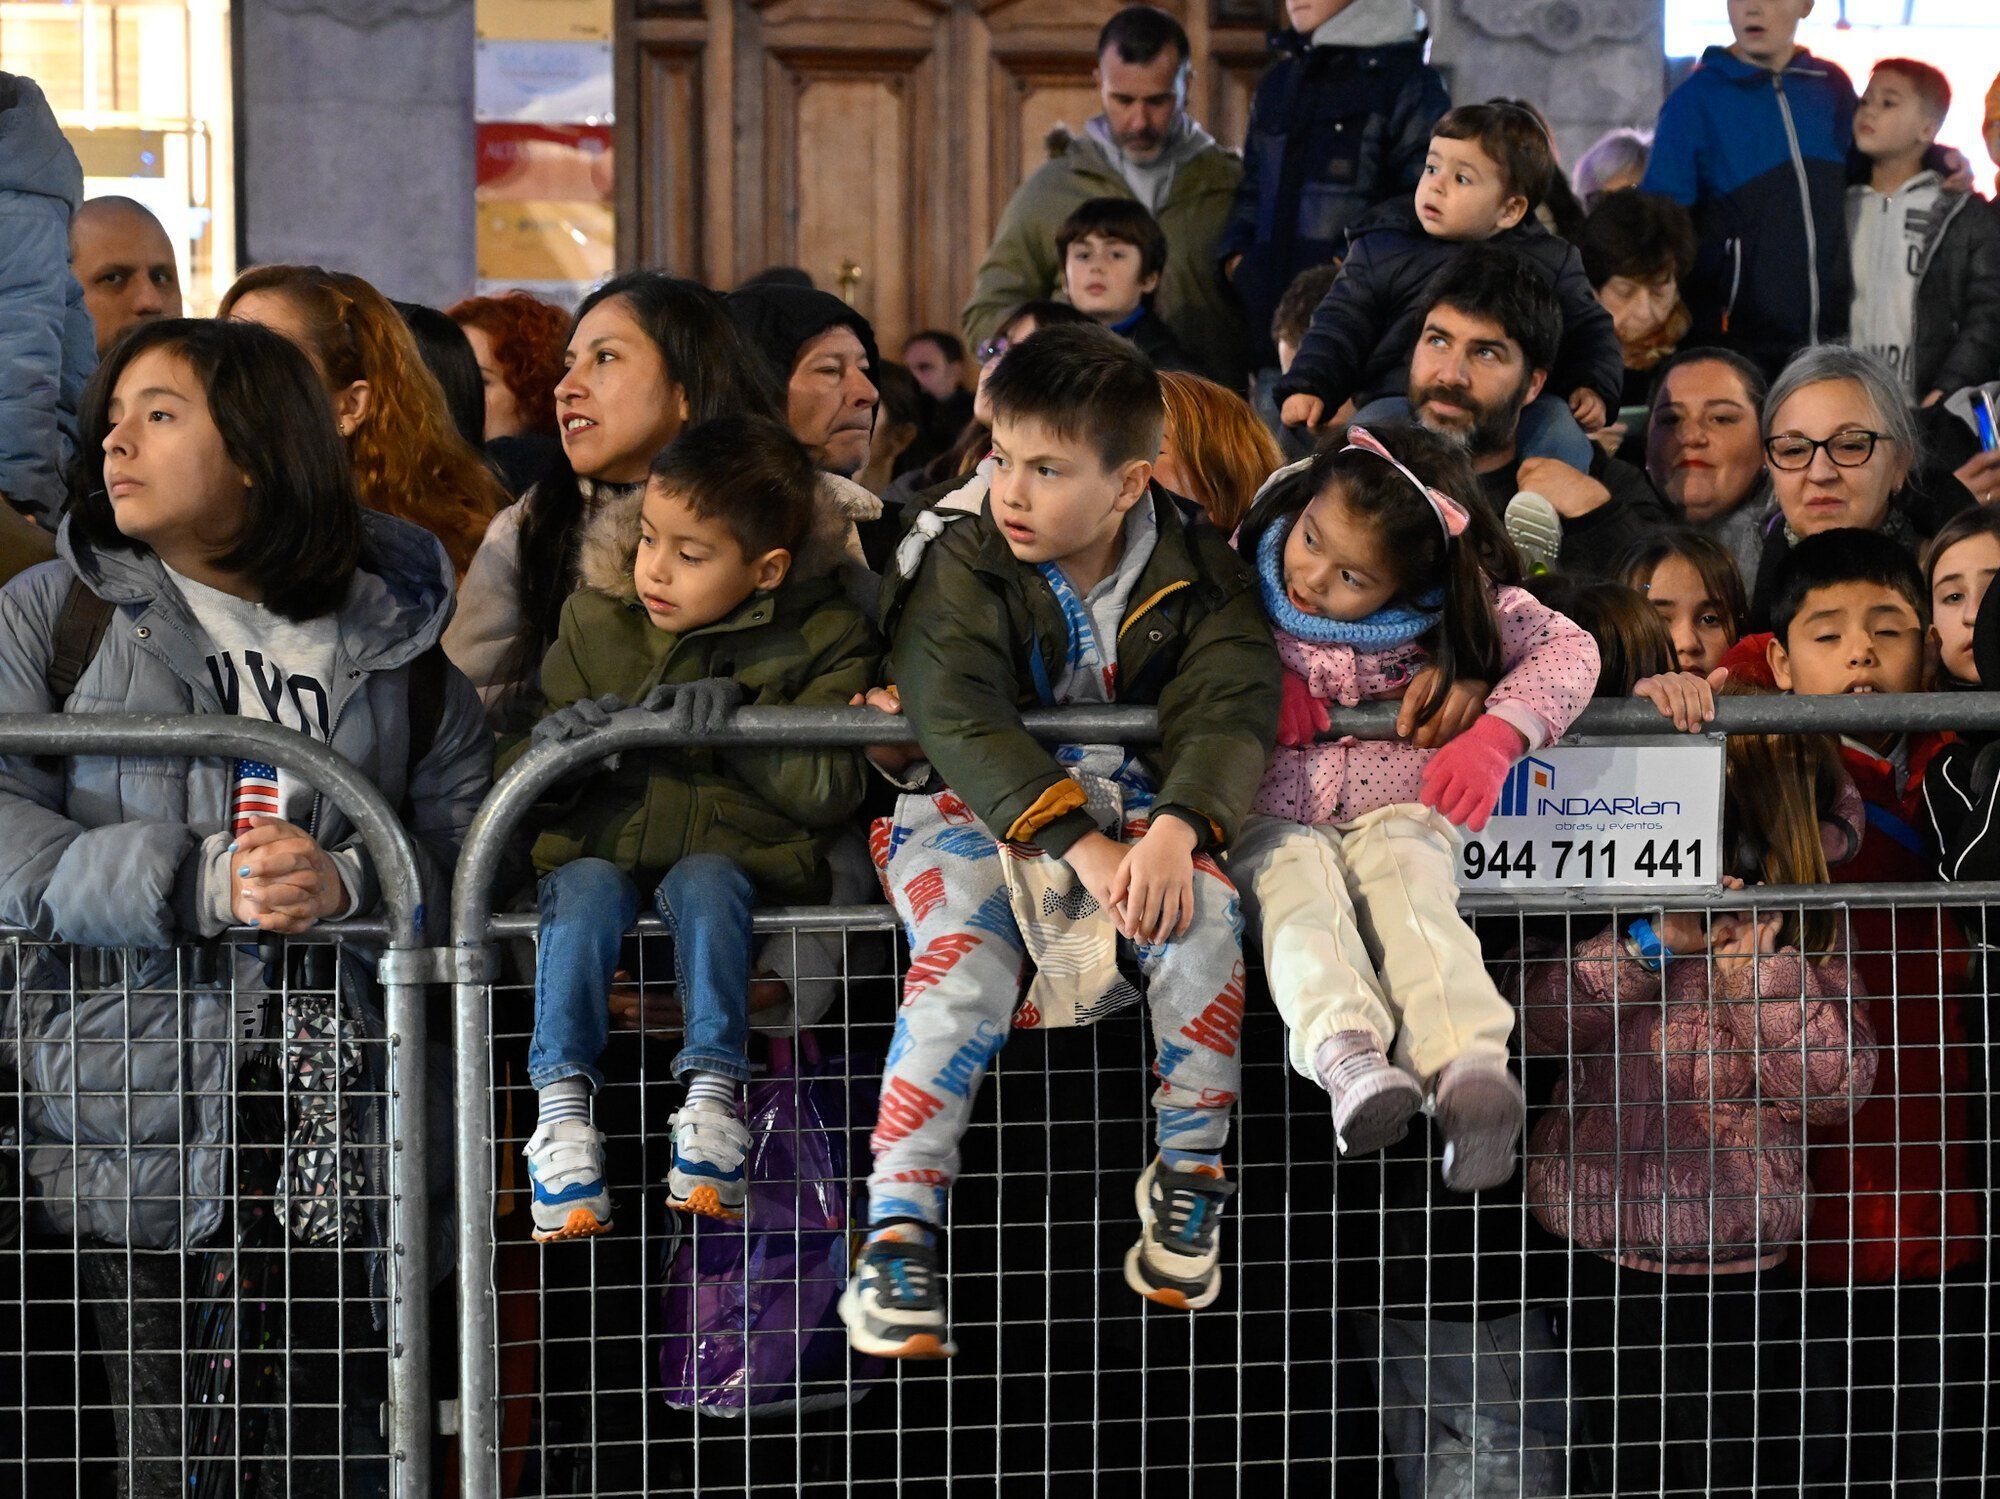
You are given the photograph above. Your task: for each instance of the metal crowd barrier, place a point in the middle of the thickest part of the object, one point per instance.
(1374, 1331)
(247, 1330)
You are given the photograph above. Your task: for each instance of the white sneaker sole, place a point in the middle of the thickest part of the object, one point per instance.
(915, 1344)
(1135, 1275)
(578, 1223)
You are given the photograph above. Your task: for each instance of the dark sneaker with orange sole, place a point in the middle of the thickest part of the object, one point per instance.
(894, 1304)
(1178, 1259)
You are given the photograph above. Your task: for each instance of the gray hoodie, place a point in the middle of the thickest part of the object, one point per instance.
(48, 348)
(1151, 181)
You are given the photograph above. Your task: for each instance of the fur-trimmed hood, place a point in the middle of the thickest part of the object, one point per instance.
(610, 539)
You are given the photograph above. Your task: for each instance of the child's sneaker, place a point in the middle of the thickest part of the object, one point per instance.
(566, 1166)
(894, 1304)
(1479, 1109)
(706, 1176)
(1536, 531)
(1373, 1099)
(1177, 1261)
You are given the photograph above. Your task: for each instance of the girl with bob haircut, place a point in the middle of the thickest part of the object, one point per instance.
(1215, 451)
(408, 457)
(648, 356)
(215, 537)
(1371, 574)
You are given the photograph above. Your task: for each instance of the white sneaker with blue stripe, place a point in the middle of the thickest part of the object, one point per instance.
(707, 1175)
(566, 1167)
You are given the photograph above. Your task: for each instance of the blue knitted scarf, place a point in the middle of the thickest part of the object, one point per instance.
(1388, 627)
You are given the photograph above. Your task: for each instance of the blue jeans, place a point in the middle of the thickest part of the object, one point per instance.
(587, 907)
(1547, 429)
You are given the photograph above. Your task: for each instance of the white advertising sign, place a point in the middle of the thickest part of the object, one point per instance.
(1632, 814)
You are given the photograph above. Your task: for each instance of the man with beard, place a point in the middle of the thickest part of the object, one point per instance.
(1143, 146)
(1484, 350)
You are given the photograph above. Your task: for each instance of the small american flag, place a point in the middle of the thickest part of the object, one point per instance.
(256, 794)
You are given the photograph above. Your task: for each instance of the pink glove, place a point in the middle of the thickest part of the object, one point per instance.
(1301, 716)
(1463, 779)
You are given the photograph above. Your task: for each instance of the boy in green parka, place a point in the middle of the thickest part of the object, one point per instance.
(706, 616)
(1061, 575)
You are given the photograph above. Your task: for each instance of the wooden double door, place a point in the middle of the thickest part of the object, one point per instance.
(871, 142)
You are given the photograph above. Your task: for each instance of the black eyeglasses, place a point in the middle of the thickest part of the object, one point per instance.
(1847, 450)
(992, 349)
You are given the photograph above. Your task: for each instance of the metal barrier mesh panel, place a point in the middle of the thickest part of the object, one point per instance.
(1376, 1331)
(191, 1299)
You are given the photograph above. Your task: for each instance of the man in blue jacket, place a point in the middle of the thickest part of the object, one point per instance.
(1338, 125)
(47, 349)
(1754, 144)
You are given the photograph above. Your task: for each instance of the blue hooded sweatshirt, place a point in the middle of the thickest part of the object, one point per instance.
(48, 347)
(1760, 159)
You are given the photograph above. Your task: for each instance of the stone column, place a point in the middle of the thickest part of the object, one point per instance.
(355, 128)
(1589, 64)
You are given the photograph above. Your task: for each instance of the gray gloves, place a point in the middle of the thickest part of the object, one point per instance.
(690, 707)
(695, 707)
(578, 719)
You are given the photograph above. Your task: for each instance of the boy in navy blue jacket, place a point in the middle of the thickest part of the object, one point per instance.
(1754, 144)
(1339, 124)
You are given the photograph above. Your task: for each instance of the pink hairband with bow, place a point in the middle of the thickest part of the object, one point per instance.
(1451, 515)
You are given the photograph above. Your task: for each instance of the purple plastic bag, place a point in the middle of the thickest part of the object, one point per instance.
(749, 1308)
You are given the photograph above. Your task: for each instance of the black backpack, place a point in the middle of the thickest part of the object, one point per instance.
(84, 618)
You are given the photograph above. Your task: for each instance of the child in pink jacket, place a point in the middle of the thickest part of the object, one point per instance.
(1348, 867)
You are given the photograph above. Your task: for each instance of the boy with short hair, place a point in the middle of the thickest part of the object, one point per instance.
(1295, 310)
(689, 607)
(1112, 253)
(1893, 1201)
(1754, 145)
(1488, 166)
(1072, 579)
(1926, 260)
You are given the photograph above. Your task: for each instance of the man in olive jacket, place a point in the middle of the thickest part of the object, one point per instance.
(1145, 147)
(1060, 575)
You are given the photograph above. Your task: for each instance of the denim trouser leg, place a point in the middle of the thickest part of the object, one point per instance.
(706, 902)
(586, 907)
(1382, 411)
(1548, 430)
(1473, 1410)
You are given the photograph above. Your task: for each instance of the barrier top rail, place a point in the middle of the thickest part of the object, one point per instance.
(541, 766)
(198, 735)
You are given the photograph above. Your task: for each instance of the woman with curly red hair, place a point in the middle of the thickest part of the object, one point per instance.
(519, 341)
(407, 456)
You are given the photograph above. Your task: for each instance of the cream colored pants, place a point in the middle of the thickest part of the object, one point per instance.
(1361, 932)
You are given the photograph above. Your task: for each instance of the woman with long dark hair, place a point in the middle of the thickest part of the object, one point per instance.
(649, 354)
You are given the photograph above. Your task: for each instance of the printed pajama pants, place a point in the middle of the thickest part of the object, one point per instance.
(941, 868)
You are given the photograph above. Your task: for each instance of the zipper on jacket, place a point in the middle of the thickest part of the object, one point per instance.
(1735, 249)
(1805, 204)
(1137, 614)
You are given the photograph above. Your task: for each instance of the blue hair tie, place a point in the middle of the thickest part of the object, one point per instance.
(1388, 627)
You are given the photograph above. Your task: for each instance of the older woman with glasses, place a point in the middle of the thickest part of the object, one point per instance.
(1840, 446)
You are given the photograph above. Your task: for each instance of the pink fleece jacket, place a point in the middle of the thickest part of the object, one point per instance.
(1551, 670)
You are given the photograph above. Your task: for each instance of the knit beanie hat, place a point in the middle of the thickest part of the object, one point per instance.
(781, 320)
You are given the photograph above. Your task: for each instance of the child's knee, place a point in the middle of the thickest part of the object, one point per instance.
(593, 885)
(706, 877)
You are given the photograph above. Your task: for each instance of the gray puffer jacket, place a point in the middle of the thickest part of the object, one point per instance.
(104, 852)
(48, 346)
